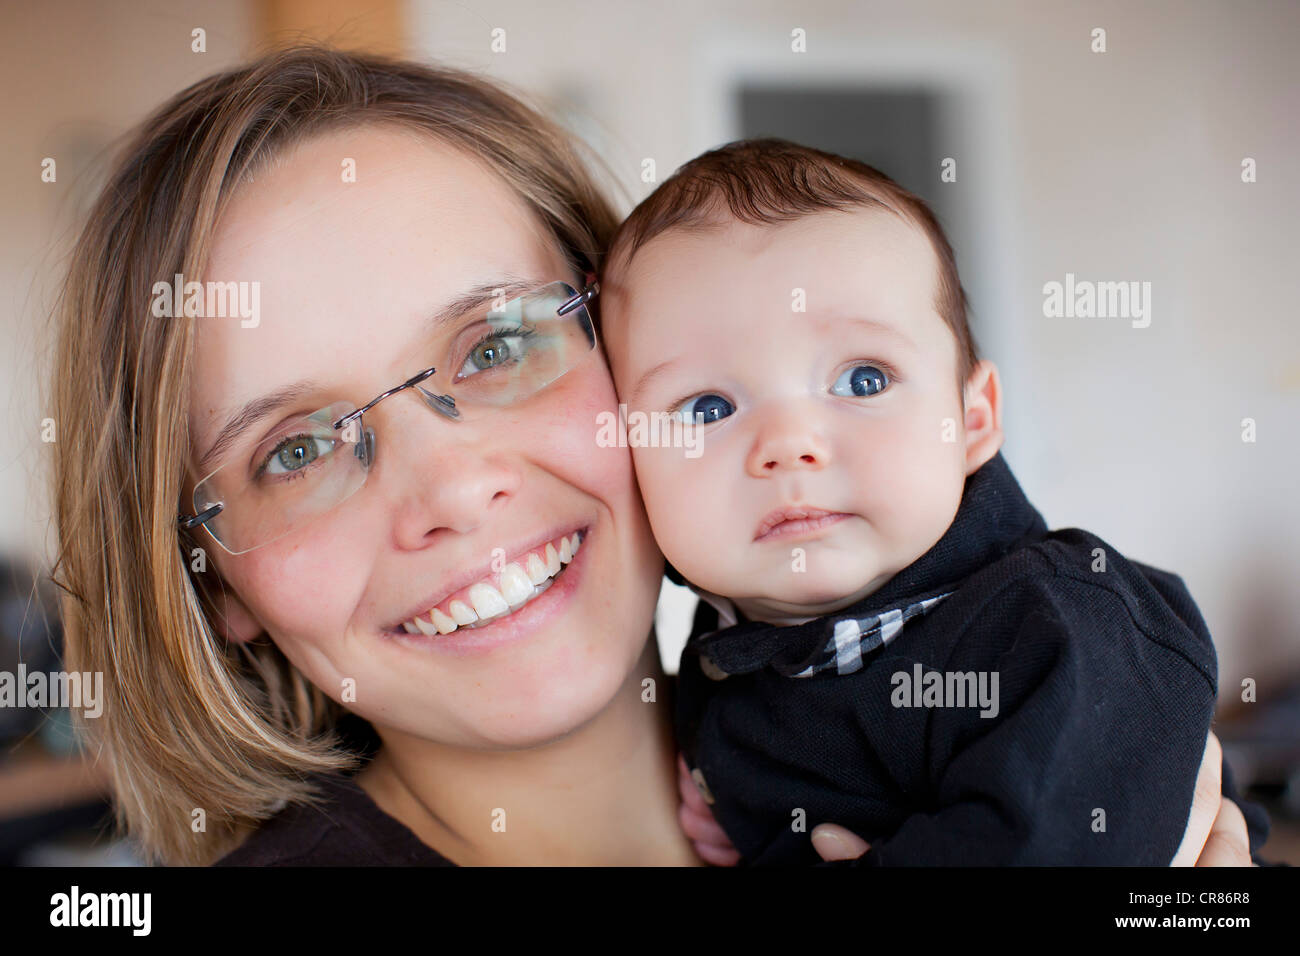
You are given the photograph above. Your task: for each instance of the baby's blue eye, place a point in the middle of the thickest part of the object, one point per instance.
(705, 408)
(860, 381)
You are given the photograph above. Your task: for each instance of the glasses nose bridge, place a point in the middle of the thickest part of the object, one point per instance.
(444, 404)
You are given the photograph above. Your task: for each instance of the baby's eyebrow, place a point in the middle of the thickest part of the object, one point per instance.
(644, 382)
(663, 368)
(883, 327)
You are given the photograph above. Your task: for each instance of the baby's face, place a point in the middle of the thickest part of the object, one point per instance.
(828, 384)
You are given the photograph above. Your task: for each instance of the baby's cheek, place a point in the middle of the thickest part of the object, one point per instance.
(666, 490)
(926, 490)
(654, 482)
(698, 523)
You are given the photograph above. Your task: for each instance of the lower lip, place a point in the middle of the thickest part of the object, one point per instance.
(532, 617)
(803, 527)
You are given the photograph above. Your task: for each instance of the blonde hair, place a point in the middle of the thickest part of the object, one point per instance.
(191, 722)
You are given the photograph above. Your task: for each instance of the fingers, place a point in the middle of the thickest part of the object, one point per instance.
(690, 794)
(696, 819)
(715, 857)
(701, 826)
(1229, 840)
(836, 843)
(710, 842)
(1206, 800)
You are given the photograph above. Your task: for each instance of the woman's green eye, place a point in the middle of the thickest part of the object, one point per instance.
(492, 351)
(295, 454)
(488, 354)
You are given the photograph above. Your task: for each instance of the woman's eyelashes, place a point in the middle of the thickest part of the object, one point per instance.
(294, 454)
(861, 381)
(495, 349)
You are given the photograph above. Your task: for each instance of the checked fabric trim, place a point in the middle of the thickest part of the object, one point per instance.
(854, 638)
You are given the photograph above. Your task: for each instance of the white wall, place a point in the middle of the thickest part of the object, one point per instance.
(1123, 165)
(77, 74)
(1116, 166)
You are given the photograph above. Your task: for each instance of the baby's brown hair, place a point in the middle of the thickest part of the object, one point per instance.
(768, 181)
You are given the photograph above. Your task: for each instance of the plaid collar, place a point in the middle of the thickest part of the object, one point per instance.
(994, 518)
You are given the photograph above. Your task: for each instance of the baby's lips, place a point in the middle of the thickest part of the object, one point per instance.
(788, 513)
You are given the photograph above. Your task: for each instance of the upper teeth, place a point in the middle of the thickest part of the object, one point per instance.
(518, 583)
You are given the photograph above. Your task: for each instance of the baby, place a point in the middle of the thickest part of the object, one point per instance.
(889, 637)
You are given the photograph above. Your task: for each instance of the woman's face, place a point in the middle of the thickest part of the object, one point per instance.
(351, 273)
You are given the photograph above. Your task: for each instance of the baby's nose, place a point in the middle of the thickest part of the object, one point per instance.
(787, 444)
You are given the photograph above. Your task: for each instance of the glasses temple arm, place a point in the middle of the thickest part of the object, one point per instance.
(583, 297)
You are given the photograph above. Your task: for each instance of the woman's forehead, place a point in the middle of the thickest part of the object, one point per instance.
(369, 187)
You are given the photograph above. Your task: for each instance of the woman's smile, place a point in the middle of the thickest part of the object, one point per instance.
(498, 592)
(503, 607)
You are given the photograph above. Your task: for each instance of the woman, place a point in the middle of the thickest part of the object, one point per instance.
(371, 219)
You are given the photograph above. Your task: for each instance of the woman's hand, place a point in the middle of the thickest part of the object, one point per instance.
(711, 843)
(834, 842)
(1216, 832)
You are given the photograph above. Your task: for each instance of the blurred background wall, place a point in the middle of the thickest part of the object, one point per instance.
(1123, 165)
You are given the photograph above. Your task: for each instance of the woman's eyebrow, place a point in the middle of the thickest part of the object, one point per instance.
(506, 287)
(250, 414)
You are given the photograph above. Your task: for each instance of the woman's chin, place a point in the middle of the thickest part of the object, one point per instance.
(547, 706)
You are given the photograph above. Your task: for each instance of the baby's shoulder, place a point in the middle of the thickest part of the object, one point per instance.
(1072, 588)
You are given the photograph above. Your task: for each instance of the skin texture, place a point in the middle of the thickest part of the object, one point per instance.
(349, 275)
(717, 303)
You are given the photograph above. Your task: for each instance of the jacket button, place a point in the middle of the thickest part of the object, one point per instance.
(698, 776)
(711, 670)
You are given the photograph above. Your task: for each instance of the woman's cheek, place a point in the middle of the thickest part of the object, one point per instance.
(302, 590)
(581, 404)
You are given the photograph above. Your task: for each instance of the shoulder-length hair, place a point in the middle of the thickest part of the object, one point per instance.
(191, 722)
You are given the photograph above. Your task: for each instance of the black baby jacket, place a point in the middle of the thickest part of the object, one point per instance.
(1098, 677)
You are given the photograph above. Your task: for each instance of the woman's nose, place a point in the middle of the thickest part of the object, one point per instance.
(787, 441)
(443, 476)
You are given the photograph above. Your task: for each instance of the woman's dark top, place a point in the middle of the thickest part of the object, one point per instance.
(349, 829)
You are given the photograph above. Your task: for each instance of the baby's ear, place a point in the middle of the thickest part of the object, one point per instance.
(983, 396)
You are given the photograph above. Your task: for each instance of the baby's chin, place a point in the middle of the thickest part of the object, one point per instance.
(811, 598)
